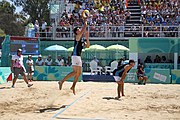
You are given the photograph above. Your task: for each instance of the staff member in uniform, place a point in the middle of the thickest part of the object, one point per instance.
(17, 67)
(79, 43)
(48, 61)
(39, 61)
(59, 61)
(30, 68)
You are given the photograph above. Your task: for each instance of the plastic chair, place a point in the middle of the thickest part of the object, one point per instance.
(94, 67)
(111, 68)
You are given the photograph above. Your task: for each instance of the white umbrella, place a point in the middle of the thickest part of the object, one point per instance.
(117, 47)
(55, 48)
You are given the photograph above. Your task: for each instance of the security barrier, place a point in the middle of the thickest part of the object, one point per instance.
(158, 75)
(154, 76)
(52, 73)
(175, 75)
(4, 73)
(159, 65)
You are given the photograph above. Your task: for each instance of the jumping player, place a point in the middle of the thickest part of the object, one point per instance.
(79, 43)
(120, 75)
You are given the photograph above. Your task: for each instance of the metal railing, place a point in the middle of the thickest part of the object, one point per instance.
(109, 32)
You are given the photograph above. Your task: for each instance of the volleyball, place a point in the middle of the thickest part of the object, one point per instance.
(85, 14)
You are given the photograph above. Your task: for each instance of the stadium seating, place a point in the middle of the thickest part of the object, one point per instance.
(121, 18)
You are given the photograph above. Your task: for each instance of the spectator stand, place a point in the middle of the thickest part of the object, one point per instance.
(113, 19)
(155, 53)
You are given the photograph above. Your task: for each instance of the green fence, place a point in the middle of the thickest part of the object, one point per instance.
(154, 76)
(154, 45)
(159, 65)
(158, 75)
(4, 73)
(175, 75)
(50, 73)
(131, 76)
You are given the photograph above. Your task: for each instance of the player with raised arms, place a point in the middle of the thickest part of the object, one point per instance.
(79, 43)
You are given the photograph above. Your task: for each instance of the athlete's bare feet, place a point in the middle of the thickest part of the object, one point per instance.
(60, 85)
(73, 89)
(123, 95)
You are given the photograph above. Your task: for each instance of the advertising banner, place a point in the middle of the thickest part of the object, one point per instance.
(175, 75)
(158, 75)
(52, 73)
(4, 73)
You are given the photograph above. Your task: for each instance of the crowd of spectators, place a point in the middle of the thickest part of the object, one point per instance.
(108, 18)
(108, 13)
(157, 59)
(59, 61)
(160, 12)
(37, 29)
(102, 13)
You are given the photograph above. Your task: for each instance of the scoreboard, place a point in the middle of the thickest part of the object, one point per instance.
(29, 46)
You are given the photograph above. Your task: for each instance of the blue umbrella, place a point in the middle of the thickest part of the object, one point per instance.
(56, 48)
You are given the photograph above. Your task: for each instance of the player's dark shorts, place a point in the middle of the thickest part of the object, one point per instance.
(18, 71)
(140, 75)
(29, 70)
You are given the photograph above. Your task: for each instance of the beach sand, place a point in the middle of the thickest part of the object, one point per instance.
(93, 101)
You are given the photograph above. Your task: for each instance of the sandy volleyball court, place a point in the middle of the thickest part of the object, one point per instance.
(94, 101)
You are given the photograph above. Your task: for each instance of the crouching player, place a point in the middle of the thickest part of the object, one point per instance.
(120, 74)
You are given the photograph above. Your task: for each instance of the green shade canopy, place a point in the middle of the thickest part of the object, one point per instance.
(71, 49)
(96, 47)
(117, 47)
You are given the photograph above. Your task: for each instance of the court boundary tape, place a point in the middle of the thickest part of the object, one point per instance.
(62, 110)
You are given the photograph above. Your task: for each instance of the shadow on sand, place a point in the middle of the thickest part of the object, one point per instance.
(111, 98)
(50, 109)
(5, 87)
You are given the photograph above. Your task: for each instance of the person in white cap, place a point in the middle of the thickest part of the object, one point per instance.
(17, 67)
(30, 68)
(39, 61)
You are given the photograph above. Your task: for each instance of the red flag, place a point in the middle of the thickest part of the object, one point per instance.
(9, 77)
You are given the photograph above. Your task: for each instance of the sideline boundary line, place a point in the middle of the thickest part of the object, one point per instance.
(62, 110)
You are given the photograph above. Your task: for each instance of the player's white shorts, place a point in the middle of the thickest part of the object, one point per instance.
(76, 61)
(117, 78)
